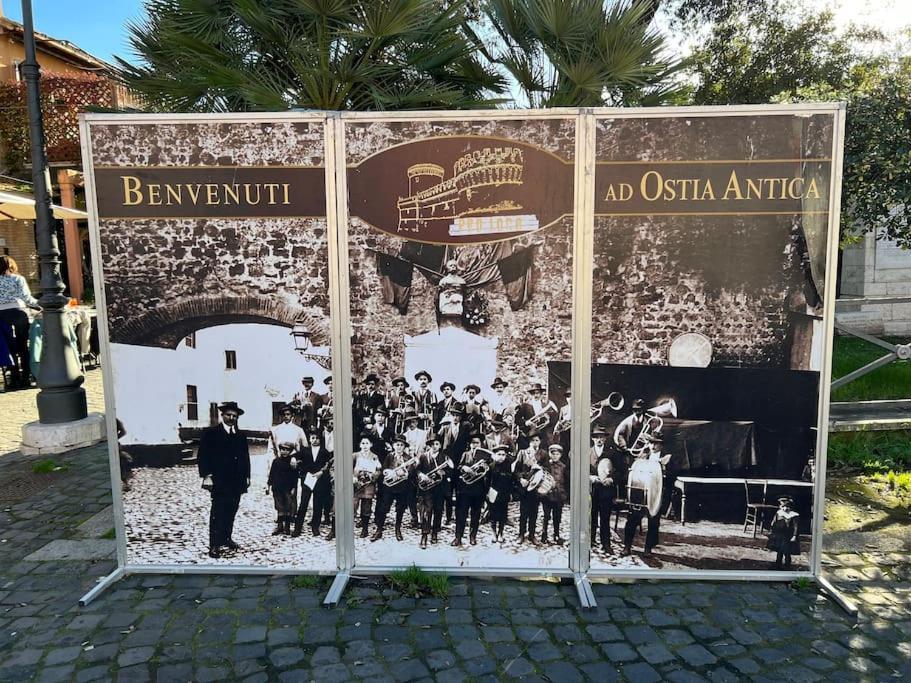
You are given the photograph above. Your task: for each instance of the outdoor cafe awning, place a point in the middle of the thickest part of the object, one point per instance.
(21, 206)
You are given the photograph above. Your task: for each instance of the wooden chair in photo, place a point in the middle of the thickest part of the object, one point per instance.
(756, 490)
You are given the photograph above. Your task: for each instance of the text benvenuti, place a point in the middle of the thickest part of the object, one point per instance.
(136, 192)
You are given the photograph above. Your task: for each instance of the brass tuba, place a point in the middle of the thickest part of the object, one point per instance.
(539, 421)
(653, 423)
(436, 476)
(399, 474)
(479, 468)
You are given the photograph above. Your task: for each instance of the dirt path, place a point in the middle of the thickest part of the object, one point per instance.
(865, 516)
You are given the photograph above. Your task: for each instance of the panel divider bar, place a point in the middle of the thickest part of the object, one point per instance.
(586, 594)
(583, 240)
(103, 584)
(337, 187)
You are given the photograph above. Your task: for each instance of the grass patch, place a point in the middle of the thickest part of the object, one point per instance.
(892, 381)
(110, 534)
(874, 452)
(802, 583)
(48, 466)
(899, 482)
(307, 581)
(415, 582)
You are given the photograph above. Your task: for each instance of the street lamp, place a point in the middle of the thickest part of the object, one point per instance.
(61, 397)
(301, 334)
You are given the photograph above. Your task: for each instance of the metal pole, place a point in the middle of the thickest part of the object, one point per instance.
(61, 398)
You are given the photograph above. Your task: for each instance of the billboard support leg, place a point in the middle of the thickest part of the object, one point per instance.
(584, 589)
(336, 589)
(837, 596)
(102, 585)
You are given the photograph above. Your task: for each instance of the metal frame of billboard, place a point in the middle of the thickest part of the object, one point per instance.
(578, 565)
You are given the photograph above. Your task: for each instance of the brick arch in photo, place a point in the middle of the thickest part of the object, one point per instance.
(165, 326)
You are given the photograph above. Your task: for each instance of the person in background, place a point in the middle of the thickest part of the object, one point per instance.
(783, 534)
(14, 323)
(282, 483)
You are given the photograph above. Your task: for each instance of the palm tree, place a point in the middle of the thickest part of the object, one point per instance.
(564, 53)
(243, 55)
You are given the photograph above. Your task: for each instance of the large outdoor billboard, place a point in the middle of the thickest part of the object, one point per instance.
(551, 342)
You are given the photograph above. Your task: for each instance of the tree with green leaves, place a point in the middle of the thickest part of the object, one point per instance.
(751, 57)
(562, 53)
(244, 55)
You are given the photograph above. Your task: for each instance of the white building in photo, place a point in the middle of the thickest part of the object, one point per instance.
(161, 390)
(871, 268)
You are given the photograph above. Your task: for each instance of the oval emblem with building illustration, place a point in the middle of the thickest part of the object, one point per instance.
(461, 189)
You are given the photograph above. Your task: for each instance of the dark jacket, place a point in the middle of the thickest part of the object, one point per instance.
(224, 457)
(282, 477)
(454, 446)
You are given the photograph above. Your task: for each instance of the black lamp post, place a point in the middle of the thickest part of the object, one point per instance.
(61, 398)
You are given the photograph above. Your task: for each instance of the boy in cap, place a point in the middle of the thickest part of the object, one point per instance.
(397, 492)
(553, 500)
(783, 533)
(431, 500)
(282, 483)
(500, 489)
(470, 496)
(527, 463)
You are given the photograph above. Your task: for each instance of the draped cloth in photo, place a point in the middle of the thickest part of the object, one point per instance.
(395, 280)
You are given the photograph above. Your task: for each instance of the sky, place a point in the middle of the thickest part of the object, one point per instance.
(99, 26)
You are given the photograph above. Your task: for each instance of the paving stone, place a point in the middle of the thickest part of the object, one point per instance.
(56, 674)
(62, 655)
(519, 668)
(619, 652)
(601, 672)
(135, 655)
(655, 653)
(331, 673)
(440, 659)
(284, 657)
(409, 670)
(325, 655)
(543, 652)
(478, 666)
(498, 634)
(696, 655)
(641, 673)
(565, 672)
(168, 673)
(470, 648)
(250, 634)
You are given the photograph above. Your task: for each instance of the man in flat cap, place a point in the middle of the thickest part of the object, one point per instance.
(223, 459)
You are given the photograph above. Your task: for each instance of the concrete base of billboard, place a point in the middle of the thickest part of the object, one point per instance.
(47, 439)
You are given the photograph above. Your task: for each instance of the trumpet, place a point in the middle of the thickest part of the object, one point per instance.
(436, 476)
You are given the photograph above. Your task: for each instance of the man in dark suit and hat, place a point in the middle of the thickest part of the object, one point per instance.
(603, 489)
(368, 402)
(470, 496)
(454, 435)
(424, 399)
(223, 459)
(444, 404)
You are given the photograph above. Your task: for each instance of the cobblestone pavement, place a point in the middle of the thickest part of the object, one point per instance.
(19, 407)
(259, 628)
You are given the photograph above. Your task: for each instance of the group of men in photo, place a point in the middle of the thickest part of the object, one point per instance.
(444, 457)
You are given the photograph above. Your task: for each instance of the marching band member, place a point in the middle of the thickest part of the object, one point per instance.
(306, 466)
(367, 403)
(628, 430)
(470, 496)
(454, 436)
(424, 399)
(441, 409)
(527, 463)
(536, 404)
(366, 472)
(431, 500)
(326, 404)
(472, 406)
(501, 483)
(399, 401)
(564, 421)
(499, 435)
(381, 432)
(637, 513)
(603, 491)
(500, 402)
(415, 437)
(397, 492)
(553, 500)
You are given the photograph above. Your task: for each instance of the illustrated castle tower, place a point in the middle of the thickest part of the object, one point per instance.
(472, 190)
